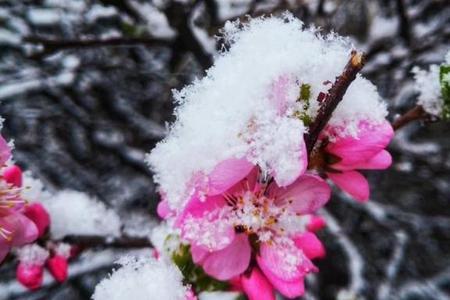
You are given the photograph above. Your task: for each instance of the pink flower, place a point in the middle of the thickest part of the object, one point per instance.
(190, 295)
(364, 152)
(15, 228)
(238, 214)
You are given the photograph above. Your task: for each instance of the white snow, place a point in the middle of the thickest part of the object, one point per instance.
(32, 254)
(429, 89)
(166, 239)
(142, 279)
(230, 114)
(75, 213)
(72, 212)
(44, 16)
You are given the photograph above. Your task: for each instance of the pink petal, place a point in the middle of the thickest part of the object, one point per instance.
(163, 210)
(5, 151)
(370, 141)
(382, 160)
(229, 262)
(308, 193)
(198, 254)
(316, 223)
(26, 231)
(283, 178)
(197, 207)
(352, 182)
(272, 259)
(311, 246)
(288, 288)
(256, 286)
(39, 215)
(13, 175)
(226, 174)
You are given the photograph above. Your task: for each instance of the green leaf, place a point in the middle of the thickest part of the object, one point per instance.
(444, 78)
(305, 92)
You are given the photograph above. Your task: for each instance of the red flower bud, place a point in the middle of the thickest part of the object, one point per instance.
(13, 175)
(30, 275)
(316, 223)
(58, 266)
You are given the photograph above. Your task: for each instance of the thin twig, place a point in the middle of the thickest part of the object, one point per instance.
(91, 241)
(414, 114)
(333, 97)
(54, 45)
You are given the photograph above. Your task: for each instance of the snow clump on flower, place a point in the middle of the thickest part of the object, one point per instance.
(247, 106)
(142, 279)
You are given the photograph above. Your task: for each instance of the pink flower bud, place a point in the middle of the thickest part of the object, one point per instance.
(58, 266)
(13, 175)
(39, 215)
(30, 275)
(190, 295)
(316, 223)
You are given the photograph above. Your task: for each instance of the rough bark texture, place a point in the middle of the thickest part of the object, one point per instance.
(83, 118)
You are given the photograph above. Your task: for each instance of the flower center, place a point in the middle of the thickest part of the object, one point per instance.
(258, 214)
(10, 196)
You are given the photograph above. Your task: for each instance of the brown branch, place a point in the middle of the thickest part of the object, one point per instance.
(333, 97)
(414, 114)
(92, 241)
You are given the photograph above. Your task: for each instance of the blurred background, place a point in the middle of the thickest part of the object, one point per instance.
(85, 91)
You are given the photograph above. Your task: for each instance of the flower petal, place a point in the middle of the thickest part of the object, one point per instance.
(198, 254)
(289, 289)
(311, 246)
(198, 207)
(352, 182)
(382, 160)
(370, 141)
(256, 286)
(316, 223)
(5, 151)
(226, 174)
(25, 232)
(39, 215)
(229, 262)
(308, 193)
(163, 210)
(281, 260)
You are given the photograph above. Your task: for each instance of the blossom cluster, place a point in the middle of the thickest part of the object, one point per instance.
(237, 182)
(23, 222)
